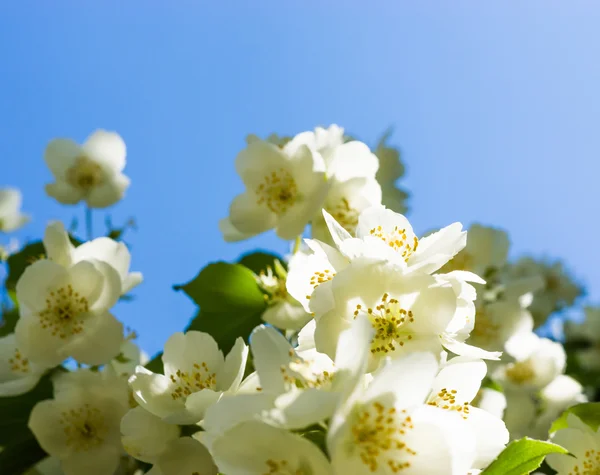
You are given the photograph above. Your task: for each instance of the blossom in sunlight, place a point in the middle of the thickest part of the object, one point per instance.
(390, 170)
(389, 427)
(60, 249)
(537, 361)
(92, 172)
(17, 374)
(255, 448)
(588, 334)
(11, 217)
(145, 436)
(184, 455)
(283, 311)
(196, 375)
(486, 251)
(80, 426)
(65, 312)
(583, 444)
(559, 289)
(284, 190)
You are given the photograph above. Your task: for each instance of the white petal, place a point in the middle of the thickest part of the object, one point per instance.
(234, 367)
(182, 351)
(60, 155)
(40, 346)
(64, 193)
(57, 244)
(271, 352)
(37, 280)
(99, 343)
(233, 409)
(196, 405)
(99, 460)
(107, 148)
(230, 232)
(109, 192)
(44, 421)
(145, 436)
(463, 375)
(338, 233)
(250, 218)
(153, 393)
(491, 436)
(186, 455)
(464, 349)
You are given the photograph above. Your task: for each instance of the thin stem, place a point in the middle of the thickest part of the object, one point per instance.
(88, 223)
(297, 244)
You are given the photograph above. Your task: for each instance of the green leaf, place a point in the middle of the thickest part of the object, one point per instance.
(23, 453)
(588, 412)
(225, 328)
(15, 410)
(155, 364)
(223, 287)
(522, 457)
(9, 321)
(259, 261)
(19, 261)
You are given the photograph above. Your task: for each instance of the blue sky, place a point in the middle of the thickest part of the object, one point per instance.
(495, 105)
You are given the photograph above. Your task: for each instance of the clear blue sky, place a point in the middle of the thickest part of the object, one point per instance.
(496, 106)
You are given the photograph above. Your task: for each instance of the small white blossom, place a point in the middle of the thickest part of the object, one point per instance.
(583, 444)
(196, 375)
(17, 374)
(146, 436)
(182, 456)
(64, 312)
(255, 448)
(284, 190)
(92, 172)
(11, 217)
(60, 250)
(80, 426)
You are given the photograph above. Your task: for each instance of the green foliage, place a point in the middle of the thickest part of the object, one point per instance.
(9, 321)
(23, 453)
(522, 457)
(259, 261)
(588, 412)
(19, 261)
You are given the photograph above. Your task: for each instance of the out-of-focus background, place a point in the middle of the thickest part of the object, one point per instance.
(495, 106)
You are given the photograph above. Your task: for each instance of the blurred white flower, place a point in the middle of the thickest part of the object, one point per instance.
(583, 444)
(255, 448)
(182, 456)
(92, 172)
(196, 375)
(59, 249)
(284, 190)
(64, 312)
(146, 436)
(17, 374)
(80, 426)
(11, 217)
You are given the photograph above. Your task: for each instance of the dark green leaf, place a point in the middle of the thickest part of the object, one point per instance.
(588, 412)
(155, 364)
(9, 321)
(223, 287)
(522, 457)
(19, 261)
(22, 453)
(259, 261)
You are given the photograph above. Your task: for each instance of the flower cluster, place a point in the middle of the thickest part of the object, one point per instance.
(370, 349)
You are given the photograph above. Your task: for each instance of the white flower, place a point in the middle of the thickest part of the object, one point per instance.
(182, 456)
(11, 217)
(80, 426)
(390, 169)
(454, 389)
(64, 312)
(408, 312)
(17, 374)
(588, 332)
(389, 427)
(327, 143)
(492, 401)
(196, 375)
(559, 290)
(90, 172)
(283, 190)
(486, 251)
(128, 359)
(537, 362)
(60, 250)
(255, 448)
(582, 442)
(283, 311)
(146, 436)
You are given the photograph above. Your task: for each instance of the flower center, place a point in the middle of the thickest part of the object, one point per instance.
(397, 240)
(303, 373)
(346, 216)
(18, 364)
(521, 372)
(377, 432)
(591, 464)
(278, 191)
(446, 399)
(390, 322)
(273, 285)
(187, 383)
(282, 467)
(62, 315)
(83, 427)
(85, 174)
